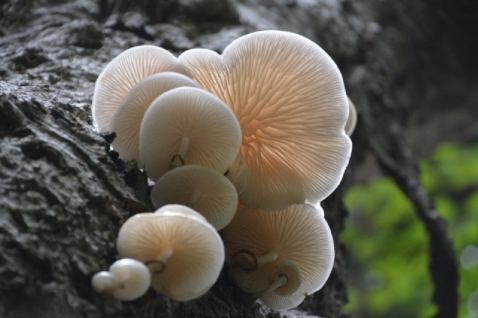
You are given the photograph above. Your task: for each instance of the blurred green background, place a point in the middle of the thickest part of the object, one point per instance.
(388, 273)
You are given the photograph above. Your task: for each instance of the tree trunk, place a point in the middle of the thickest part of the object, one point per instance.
(64, 194)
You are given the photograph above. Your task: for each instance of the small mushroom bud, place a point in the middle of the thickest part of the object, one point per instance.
(127, 279)
(352, 119)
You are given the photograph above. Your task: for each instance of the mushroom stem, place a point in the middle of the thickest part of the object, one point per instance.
(164, 255)
(183, 147)
(158, 265)
(266, 259)
(249, 262)
(178, 159)
(279, 282)
(194, 198)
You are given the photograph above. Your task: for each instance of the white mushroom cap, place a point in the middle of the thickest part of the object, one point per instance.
(290, 100)
(124, 72)
(127, 280)
(127, 119)
(190, 250)
(133, 277)
(202, 189)
(102, 282)
(188, 126)
(352, 119)
(181, 209)
(298, 234)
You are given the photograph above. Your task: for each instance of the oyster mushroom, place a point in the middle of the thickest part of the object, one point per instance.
(127, 279)
(124, 72)
(184, 253)
(270, 253)
(289, 98)
(127, 119)
(186, 126)
(202, 189)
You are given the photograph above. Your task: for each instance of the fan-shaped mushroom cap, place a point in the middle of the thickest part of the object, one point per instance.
(298, 234)
(202, 189)
(125, 71)
(352, 119)
(189, 126)
(190, 250)
(290, 100)
(127, 119)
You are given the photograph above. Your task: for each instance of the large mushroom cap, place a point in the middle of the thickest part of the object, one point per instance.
(124, 72)
(190, 126)
(290, 100)
(202, 189)
(298, 234)
(191, 251)
(127, 119)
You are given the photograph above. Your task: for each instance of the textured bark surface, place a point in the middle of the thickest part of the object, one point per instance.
(64, 195)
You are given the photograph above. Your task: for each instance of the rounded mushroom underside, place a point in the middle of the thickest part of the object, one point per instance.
(197, 250)
(290, 100)
(126, 121)
(132, 279)
(178, 208)
(191, 125)
(204, 190)
(124, 72)
(297, 234)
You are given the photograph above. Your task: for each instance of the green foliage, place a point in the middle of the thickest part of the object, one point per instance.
(389, 246)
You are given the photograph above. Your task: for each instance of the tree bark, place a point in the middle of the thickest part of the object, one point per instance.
(64, 194)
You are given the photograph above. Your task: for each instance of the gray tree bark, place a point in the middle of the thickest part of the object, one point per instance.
(64, 194)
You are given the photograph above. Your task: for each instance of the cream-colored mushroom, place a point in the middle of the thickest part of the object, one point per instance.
(290, 100)
(124, 72)
(127, 119)
(352, 119)
(295, 244)
(184, 253)
(188, 126)
(127, 279)
(181, 209)
(202, 189)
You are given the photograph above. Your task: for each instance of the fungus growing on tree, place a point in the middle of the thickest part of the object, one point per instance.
(188, 126)
(184, 253)
(124, 72)
(202, 189)
(127, 279)
(270, 253)
(289, 98)
(127, 119)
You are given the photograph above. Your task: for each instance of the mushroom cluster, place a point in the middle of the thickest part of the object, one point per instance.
(247, 143)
